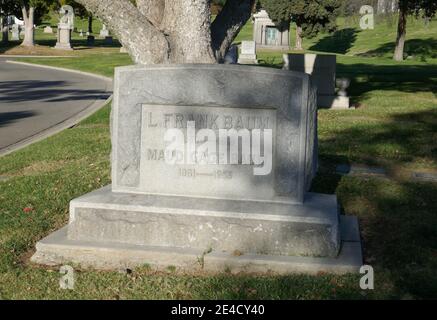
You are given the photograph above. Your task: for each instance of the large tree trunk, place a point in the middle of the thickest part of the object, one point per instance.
(29, 30)
(4, 28)
(144, 41)
(90, 24)
(171, 31)
(187, 24)
(298, 45)
(402, 32)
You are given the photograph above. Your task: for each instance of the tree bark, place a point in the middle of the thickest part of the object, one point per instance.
(187, 24)
(5, 31)
(402, 32)
(29, 30)
(171, 31)
(145, 43)
(90, 24)
(228, 24)
(298, 45)
(152, 9)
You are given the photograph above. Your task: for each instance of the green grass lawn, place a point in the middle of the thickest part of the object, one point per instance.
(395, 127)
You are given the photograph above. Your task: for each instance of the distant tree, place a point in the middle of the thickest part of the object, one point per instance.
(310, 16)
(32, 12)
(423, 8)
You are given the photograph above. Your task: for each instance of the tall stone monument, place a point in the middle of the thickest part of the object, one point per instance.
(211, 167)
(65, 28)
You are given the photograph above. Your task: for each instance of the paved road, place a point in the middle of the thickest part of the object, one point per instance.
(34, 99)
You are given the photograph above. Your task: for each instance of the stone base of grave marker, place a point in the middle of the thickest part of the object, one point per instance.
(333, 102)
(64, 39)
(111, 231)
(213, 217)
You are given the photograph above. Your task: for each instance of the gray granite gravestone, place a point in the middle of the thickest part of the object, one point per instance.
(322, 69)
(198, 215)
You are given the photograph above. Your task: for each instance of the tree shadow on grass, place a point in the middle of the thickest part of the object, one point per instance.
(341, 41)
(421, 48)
(10, 45)
(366, 78)
(398, 218)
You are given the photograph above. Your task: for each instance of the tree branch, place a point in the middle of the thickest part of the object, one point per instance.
(228, 24)
(144, 41)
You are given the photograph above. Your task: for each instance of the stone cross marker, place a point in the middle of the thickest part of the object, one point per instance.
(212, 159)
(65, 28)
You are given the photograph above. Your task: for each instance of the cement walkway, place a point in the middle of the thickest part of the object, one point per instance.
(35, 102)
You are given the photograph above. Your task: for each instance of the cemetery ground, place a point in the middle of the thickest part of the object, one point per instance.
(394, 127)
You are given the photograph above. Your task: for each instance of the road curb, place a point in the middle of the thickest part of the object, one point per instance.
(61, 69)
(67, 123)
(31, 56)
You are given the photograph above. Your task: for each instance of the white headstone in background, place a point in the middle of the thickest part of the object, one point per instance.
(15, 32)
(48, 29)
(248, 53)
(104, 32)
